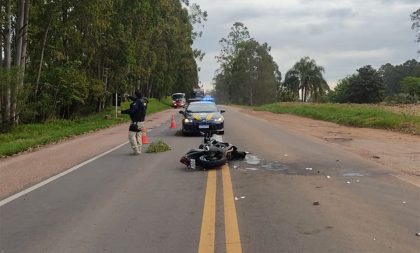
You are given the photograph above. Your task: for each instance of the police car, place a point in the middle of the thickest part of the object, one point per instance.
(202, 116)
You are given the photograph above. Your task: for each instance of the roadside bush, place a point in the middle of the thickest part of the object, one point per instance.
(411, 85)
(402, 98)
(285, 95)
(340, 92)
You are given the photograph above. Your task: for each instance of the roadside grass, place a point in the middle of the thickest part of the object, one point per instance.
(350, 115)
(28, 136)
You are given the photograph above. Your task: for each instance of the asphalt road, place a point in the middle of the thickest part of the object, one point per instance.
(150, 203)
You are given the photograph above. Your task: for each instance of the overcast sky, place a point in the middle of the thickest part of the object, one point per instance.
(341, 35)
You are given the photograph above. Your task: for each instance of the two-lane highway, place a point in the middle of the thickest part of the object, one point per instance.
(267, 203)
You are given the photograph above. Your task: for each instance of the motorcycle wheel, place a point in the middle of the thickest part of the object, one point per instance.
(211, 160)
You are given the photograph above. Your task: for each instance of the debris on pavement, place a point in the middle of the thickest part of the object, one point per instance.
(252, 159)
(252, 169)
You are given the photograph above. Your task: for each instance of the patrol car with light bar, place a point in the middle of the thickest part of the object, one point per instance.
(202, 116)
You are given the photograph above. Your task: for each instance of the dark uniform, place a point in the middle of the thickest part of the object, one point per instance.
(137, 113)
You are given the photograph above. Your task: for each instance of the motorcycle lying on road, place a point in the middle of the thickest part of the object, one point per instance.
(211, 153)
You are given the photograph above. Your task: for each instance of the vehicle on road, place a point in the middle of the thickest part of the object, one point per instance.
(197, 95)
(202, 116)
(178, 100)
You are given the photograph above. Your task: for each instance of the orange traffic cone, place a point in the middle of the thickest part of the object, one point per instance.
(144, 136)
(173, 125)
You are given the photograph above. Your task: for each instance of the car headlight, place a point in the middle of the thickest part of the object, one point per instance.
(188, 120)
(218, 120)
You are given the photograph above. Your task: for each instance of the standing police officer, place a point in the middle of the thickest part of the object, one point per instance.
(137, 113)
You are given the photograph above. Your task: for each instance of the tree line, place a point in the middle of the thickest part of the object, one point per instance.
(64, 58)
(248, 74)
(393, 84)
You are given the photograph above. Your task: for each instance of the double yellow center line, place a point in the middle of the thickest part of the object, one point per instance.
(207, 236)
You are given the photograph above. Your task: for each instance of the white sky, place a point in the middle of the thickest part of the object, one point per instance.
(341, 35)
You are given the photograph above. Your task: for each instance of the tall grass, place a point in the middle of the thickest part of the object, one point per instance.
(24, 137)
(351, 115)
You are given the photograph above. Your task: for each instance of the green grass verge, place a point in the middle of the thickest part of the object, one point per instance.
(351, 115)
(24, 137)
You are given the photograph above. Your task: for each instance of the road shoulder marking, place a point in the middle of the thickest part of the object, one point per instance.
(38, 185)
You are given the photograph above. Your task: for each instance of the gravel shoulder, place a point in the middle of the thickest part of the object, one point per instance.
(397, 151)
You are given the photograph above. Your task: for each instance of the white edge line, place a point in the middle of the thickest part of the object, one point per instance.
(49, 180)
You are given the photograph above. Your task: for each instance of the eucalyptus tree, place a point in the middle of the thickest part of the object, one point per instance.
(247, 73)
(79, 52)
(15, 15)
(229, 49)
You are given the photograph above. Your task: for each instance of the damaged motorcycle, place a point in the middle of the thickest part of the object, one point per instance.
(211, 154)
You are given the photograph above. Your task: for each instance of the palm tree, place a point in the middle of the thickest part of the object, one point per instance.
(311, 81)
(292, 82)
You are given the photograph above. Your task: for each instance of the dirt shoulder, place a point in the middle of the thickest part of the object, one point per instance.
(26, 169)
(400, 152)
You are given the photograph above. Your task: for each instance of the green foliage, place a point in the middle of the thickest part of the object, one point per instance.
(401, 98)
(81, 52)
(351, 115)
(291, 82)
(393, 75)
(365, 87)
(411, 85)
(156, 105)
(287, 95)
(410, 92)
(341, 91)
(158, 146)
(307, 76)
(248, 74)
